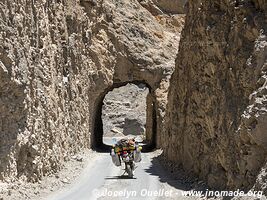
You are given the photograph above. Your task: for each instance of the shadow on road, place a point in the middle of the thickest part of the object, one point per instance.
(177, 180)
(118, 177)
(176, 176)
(105, 148)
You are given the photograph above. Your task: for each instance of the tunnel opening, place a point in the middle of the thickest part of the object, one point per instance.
(147, 138)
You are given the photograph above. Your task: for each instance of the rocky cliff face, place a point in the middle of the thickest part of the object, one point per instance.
(124, 111)
(44, 84)
(217, 105)
(58, 59)
(163, 6)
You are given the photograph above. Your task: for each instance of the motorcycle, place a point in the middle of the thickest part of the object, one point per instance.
(128, 155)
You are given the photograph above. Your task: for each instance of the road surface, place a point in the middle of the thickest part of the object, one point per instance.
(104, 181)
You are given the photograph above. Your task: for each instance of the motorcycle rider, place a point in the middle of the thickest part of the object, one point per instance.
(126, 145)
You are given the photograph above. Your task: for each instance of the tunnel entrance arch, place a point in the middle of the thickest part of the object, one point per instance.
(151, 125)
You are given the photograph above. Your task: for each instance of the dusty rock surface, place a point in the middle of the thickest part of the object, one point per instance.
(124, 111)
(52, 183)
(164, 6)
(58, 59)
(216, 124)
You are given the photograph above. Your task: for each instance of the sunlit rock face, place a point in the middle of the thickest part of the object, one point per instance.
(57, 61)
(124, 111)
(217, 104)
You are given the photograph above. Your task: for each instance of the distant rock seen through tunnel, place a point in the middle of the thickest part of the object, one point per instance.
(124, 111)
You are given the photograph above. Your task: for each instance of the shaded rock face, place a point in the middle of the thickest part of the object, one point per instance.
(58, 59)
(217, 104)
(124, 111)
(171, 6)
(164, 6)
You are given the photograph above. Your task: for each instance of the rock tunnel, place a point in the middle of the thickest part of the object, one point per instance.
(151, 119)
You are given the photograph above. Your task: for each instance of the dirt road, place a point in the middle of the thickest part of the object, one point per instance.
(102, 180)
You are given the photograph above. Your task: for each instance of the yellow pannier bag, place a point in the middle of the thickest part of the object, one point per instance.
(117, 149)
(131, 147)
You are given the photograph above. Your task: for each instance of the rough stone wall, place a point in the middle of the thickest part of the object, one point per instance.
(44, 85)
(124, 111)
(57, 61)
(217, 104)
